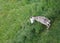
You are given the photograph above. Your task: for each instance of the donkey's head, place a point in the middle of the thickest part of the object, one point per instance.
(32, 19)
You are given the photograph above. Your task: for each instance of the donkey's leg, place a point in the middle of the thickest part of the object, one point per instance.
(48, 25)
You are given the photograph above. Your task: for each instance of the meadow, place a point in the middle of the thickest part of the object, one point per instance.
(15, 26)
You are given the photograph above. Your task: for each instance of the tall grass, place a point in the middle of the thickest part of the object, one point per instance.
(15, 26)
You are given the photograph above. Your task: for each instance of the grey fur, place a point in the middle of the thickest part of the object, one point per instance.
(42, 20)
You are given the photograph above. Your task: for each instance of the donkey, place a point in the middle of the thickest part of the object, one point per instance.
(43, 20)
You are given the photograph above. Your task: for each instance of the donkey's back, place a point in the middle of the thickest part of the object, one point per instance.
(41, 19)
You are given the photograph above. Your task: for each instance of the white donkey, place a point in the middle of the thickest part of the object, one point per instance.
(42, 20)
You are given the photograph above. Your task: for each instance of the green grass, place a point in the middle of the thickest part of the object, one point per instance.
(15, 26)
